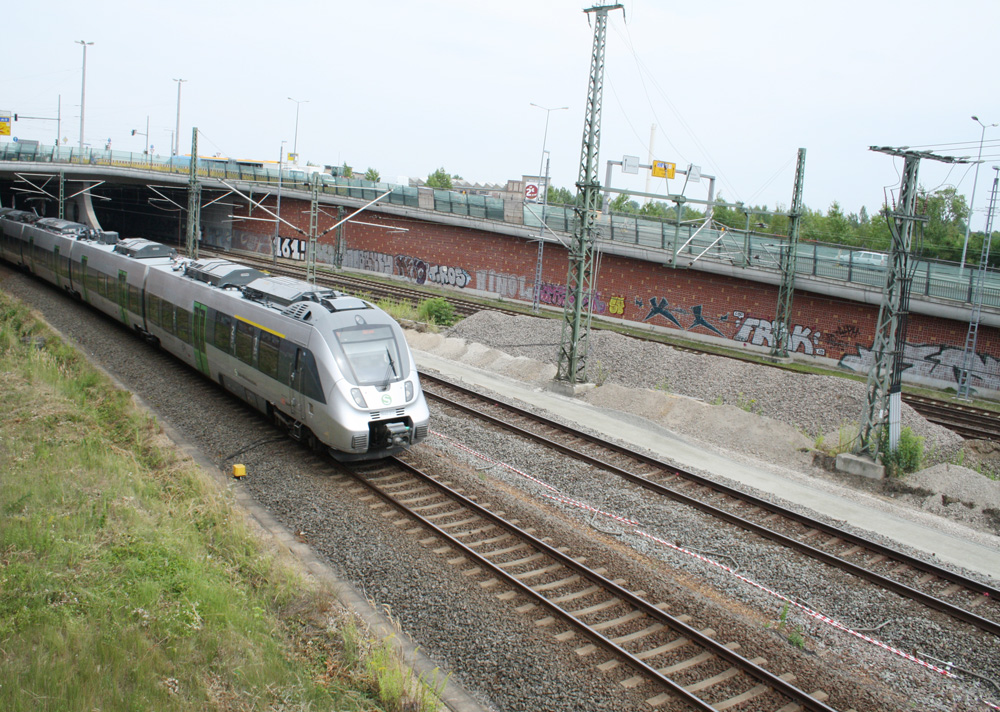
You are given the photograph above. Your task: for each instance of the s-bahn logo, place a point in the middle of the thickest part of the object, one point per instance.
(386, 399)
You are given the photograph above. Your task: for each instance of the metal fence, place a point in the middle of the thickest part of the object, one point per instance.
(682, 243)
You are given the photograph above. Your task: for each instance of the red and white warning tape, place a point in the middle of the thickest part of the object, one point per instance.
(563, 499)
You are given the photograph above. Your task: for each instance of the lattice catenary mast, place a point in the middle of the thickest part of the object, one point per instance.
(884, 385)
(572, 358)
(788, 255)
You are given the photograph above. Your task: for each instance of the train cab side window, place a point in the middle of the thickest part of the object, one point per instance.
(286, 361)
(268, 354)
(308, 379)
(223, 332)
(244, 342)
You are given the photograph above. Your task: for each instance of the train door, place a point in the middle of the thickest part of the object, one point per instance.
(198, 337)
(296, 400)
(83, 279)
(123, 294)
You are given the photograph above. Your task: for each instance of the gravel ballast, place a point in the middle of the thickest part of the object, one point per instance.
(502, 658)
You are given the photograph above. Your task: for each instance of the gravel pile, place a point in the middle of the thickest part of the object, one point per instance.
(813, 404)
(749, 411)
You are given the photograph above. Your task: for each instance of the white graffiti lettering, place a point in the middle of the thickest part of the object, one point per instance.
(760, 332)
(449, 276)
(942, 363)
(368, 260)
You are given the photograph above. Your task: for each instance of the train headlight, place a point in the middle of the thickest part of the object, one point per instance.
(409, 391)
(358, 398)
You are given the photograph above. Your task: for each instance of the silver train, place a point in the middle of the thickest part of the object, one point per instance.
(332, 369)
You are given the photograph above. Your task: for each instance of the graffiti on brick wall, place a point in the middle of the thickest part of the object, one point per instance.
(448, 276)
(411, 268)
(942, 363)
(508, 286)
(368, 260)
(555, 295)
(660, 307)
(760, 332)
(844, 338)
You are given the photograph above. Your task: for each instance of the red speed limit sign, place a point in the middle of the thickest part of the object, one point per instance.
(531, 191)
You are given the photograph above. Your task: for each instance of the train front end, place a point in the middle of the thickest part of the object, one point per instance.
(377, 407)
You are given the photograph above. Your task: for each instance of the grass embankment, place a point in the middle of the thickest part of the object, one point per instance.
(128, 578)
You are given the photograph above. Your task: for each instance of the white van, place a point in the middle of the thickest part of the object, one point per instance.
(875, 260)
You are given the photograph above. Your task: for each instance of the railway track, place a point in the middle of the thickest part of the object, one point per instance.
(361, 286)
(670, 659)
(961, 598)
(968, 421)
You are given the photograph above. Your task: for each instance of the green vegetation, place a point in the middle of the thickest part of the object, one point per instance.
(438, 311)
(439, 179)
(130, 580)
(793, 634)
(907, 457)
(373, 175)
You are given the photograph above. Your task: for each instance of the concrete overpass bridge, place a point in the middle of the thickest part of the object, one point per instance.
(712, 284)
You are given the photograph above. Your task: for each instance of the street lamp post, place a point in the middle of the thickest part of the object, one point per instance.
(277, 221)
(177, 128)
(545, 201)
(140, 133)
(295, 143)
(975, 181)
(83, 88)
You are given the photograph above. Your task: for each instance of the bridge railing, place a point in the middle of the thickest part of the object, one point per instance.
(931, 278)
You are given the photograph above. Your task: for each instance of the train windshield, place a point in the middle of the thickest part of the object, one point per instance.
(372, 352)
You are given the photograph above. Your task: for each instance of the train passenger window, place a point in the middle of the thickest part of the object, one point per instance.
(134, 299)
(244, 342)
(267, 354)
(183, 318)
(153, 309)
(167, 315)
(210, 325)
(223, 332)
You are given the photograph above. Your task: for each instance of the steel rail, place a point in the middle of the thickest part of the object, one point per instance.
(979, 622)
(748, 667)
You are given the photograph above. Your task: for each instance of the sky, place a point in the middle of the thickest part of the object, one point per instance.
(408, 87)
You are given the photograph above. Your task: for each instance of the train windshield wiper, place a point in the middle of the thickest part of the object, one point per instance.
(390, 371)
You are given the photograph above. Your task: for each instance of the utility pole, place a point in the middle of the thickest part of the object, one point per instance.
(313, 230)
(177, 128)
(964, 389)
(574, 342)
(884, 384)
(789, 252)
(194, 199)
(83, 89)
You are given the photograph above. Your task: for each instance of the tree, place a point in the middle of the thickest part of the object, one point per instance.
(373, 175)
(347, 171)
(439, 179)
(623, 204)
(561, 196)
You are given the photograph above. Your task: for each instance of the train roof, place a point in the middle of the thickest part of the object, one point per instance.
(222, 273)
(284, 291)
(142, 249)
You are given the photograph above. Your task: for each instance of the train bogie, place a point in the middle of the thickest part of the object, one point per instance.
(334, 370)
